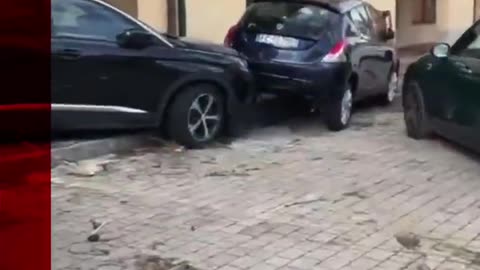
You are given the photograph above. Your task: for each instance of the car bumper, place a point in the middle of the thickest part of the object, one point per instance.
(319, 81)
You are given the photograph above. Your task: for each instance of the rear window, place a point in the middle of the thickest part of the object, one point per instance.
(292, 19)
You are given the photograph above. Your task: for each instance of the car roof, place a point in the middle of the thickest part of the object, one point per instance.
(340, 6)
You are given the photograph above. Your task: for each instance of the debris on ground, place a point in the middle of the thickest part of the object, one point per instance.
(305, 202)
(88, 168)
(94, 235)
(408, 240)
(227, 173)
(356, 194)
(153, 262)
(95, 224)
(423, 266)
(180, 149)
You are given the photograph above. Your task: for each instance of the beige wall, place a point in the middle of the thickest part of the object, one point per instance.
(385, 5)
(128, 6)
(453, 18)
(154, 13)
(211, 19)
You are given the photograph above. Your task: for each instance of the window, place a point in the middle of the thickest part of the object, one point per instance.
(87, 20)
(424, 11)
(292, 19)
(361, 20)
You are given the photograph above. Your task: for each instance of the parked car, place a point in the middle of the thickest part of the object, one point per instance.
(442, 92)
(111, 71)
(330, 52)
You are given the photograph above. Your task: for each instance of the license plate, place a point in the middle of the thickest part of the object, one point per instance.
(277, 41)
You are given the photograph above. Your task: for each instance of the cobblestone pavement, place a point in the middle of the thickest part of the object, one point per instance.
(292, 196)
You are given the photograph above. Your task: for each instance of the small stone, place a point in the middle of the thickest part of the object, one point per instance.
(93, 238)
(408, 240)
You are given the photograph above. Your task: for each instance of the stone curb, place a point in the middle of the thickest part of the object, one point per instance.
(95, 148)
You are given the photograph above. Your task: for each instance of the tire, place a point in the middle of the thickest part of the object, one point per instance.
(339, 111)
(392, 89)
(187, 119)
(415, 115)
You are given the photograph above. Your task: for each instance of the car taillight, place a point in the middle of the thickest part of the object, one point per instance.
(232, 32)
(337, 53)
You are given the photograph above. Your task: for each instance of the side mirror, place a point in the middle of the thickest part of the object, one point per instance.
(135, 39)
(441, 50)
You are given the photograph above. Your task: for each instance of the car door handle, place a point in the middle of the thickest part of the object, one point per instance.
(69, 54)
(463, 68)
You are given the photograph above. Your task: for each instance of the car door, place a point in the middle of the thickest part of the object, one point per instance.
(463, 112)
(96, 82)
(365, 53)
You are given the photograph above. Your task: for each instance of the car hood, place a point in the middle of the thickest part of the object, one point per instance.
(204, 46)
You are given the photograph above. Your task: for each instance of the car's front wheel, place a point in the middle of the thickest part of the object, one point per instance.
(196, 116)
(415, 115)
(339, 111)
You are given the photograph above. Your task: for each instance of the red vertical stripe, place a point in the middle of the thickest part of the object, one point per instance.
(24, 114)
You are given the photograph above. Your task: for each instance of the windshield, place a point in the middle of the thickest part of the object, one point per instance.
(291, 19)
(469, 44)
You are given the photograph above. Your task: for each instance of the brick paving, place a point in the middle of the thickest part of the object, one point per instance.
(291, 196)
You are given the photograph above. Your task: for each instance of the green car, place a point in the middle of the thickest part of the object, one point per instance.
(441, 92)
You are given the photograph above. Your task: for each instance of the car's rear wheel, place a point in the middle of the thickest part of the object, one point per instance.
(392, 89)
(415, 115)
(196, 116)
(339, 111)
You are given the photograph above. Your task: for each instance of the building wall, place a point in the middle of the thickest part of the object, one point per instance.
(386, 5)
(211, 19)
(152, 12)
(453, 18)
(128, 6)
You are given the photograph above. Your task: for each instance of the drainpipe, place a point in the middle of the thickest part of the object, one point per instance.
(172, 17)
(182, 18)
(176, 10)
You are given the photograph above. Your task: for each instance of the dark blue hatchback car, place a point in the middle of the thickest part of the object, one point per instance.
(331, 52)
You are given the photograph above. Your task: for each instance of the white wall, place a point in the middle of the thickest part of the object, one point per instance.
(453, 18)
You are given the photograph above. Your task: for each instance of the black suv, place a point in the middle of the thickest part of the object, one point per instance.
(111, 71)
(332, 52)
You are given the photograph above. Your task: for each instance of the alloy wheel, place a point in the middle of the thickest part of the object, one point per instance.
(204, 117)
